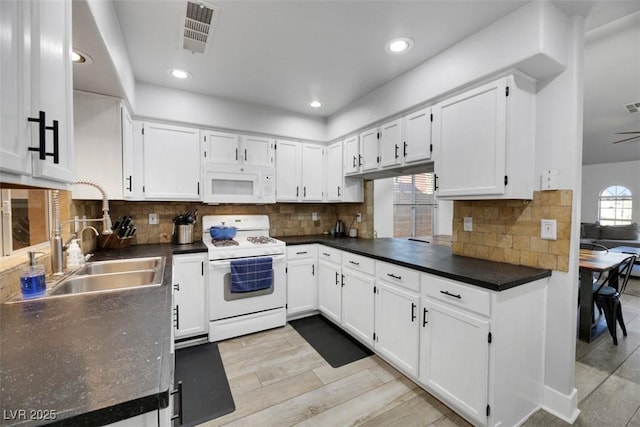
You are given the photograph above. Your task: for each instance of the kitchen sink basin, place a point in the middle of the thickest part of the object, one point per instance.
(106, 282)
(121, 265)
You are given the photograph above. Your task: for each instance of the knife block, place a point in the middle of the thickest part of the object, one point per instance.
(111, 241)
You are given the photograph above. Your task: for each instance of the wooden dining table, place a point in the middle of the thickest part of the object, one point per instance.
(592, 262)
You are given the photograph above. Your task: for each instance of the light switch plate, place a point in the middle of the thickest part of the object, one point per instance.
(314, 216)
(549, 179)
(548, 229)
(467, 224)
(153, 218)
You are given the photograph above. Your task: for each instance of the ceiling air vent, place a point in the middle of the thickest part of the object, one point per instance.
(634, 107)
(198, 26)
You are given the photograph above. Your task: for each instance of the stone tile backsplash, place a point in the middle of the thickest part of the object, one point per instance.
(509, 230)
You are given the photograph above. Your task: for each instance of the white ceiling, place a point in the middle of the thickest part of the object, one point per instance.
(283, 54)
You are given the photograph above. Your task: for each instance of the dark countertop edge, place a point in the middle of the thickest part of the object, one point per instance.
(334, 242)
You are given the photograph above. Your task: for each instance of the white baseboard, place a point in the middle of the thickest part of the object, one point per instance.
(561, 405)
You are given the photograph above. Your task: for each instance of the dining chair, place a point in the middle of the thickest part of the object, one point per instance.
(606, 296)
(594, 247)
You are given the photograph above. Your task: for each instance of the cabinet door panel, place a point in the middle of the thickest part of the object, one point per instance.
(257, 151)
(470, 136)
(369, 150)
(287, 171)
(351, 154)
(301, 286)
(391, 143)
(189, 283)
(397, 327)
(335, 176)
(222, 148)
(132, 157)
(330, 291)
(358, 305)
(171, 162)
(417, 137)
(454, 357)
(312, 172)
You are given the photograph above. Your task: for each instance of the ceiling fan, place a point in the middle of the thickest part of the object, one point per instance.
(628, 139)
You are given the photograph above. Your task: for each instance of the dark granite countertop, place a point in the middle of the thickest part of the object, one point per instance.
(430, 258)
(93, 358)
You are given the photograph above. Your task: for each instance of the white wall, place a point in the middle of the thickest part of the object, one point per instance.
(596, 178)
(444, 218)
(525, 39)
(160, 103)
(383, 207)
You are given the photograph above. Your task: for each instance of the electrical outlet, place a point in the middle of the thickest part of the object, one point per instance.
(358, 217)
(548, 229)
(153, 218)
(467, 224)
(314, 216)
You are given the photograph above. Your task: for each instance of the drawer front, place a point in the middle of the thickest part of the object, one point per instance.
(359, 263)
(401, 276)
(301, 252)
(329, 254)
(458, 294)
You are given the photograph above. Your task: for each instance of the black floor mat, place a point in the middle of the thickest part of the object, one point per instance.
(206, 392)
(334, 345)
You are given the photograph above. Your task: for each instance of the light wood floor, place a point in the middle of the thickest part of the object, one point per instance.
(277, 379)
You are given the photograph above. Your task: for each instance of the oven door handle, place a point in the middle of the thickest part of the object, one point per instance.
(226, 262)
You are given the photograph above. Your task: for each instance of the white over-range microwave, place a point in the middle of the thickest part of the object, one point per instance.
(239, 184)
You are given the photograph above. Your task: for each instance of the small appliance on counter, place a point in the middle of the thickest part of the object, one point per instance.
(183, 228)
(339, 228)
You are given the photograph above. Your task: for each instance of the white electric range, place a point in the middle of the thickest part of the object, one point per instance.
(233, 314)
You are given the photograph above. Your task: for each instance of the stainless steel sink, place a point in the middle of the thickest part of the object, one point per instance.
(107, 282)
(121, 265)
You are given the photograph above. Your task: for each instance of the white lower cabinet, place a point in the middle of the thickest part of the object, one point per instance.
(397, 326)
(302, 280)
(330, 283)
(189, 292)
(454, 357)
(358, 304)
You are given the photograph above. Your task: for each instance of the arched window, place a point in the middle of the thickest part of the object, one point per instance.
(614, 206)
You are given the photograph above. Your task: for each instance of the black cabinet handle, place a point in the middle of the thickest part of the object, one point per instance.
(338, 191)
(435, 181)
(297, 190)
(394, 276)
(337, 281)
(130, 179)
(313, 269)
(245, 154)
(404, 149)
(354, 161)
(178, 416)
(424, 317)
(359, 160)
(342, 285)
(301, 253)
(413, 312)
(397, 151)
(353, 262)
(176, 286)
(176, 322)
(236, 154)
(326, 254)
(458, 296)
(304, 191)
(42, 137)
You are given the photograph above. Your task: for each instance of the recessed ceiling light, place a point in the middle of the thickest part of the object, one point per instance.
(179, 74)
(399, 45)
(315, 104)
(79, 57)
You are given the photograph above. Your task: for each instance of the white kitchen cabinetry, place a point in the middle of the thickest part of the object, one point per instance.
(338, 187)
(484, 141)
(36, 146)
(100, 123)
(369, 155)
(330, 282)
(391, 143)
(351, 155)
(302, 280)
(132, 158)
(358, 296)
(189, 287)
(299, 172)
(228, 148)
(171, 162)
(397, 322)
(417, 146)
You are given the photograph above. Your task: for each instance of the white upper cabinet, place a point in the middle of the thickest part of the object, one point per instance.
(416, 127)
(484, 141)
(369, 156)
(351, 154)
(99, 127)
(132, 158)
(36, 83)
(288, 164)
(312, 172)
(233, 149)
(391, 143)
(335, 175)
(171, 162)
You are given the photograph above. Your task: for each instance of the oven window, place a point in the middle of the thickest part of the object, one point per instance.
(232, 296)
(231, 186)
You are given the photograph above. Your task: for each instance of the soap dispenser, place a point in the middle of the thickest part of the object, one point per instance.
(74, 255)
(32, 279)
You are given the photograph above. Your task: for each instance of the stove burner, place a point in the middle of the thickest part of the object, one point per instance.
(261, 240)
(221, 243)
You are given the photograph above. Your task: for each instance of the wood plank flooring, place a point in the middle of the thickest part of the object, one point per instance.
(277, 379)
